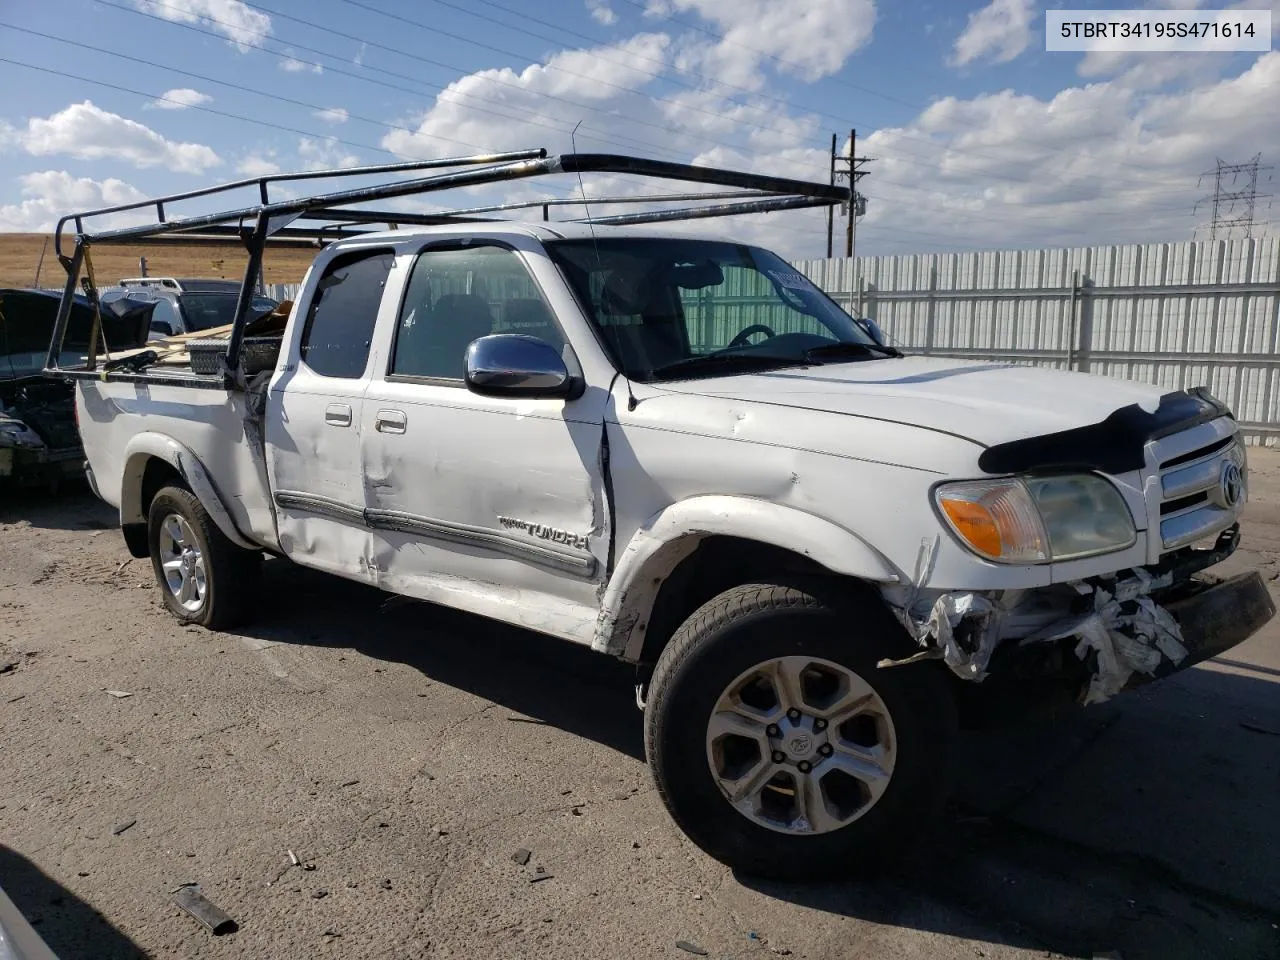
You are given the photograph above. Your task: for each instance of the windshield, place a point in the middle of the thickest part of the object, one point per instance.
(670, 309)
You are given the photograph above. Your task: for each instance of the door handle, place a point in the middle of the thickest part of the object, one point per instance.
(337, 415)
(390, 421)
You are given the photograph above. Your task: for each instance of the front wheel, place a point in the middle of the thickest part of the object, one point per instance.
(777, 744)
(205, 578)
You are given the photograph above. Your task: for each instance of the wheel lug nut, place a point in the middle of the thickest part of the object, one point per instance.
(803, 766)
(772, 730)
(819, 724)
(793, 714)
(825, 750)
(779, 756)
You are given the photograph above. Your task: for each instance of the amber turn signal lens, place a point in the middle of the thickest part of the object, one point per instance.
(975, 525)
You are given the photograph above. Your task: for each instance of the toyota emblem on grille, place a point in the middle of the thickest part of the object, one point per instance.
(1230, 485)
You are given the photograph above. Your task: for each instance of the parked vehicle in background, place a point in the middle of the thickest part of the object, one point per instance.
(188, 305)
(680, 452)
(38, 438)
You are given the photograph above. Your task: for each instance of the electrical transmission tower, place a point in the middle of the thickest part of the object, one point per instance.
(850, 167)
(1234, 183)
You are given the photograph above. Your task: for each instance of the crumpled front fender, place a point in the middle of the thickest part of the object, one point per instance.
(673, 533)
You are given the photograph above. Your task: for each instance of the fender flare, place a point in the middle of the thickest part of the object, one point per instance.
(143, 447)
(670, 535)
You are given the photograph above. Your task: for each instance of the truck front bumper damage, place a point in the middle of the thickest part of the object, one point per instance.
(1120, 633)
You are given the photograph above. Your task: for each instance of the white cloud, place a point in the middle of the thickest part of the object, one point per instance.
(808, 39)
(257, 167)
(240, 24)
(601, 12)
(291, 64)
(87, 132)
(1150, 70)
(358, 59)
(1000, 31)
(1094, 164)
(325, 154)
(51, 194)
(332, 115)
(179, 98)
(516, 111)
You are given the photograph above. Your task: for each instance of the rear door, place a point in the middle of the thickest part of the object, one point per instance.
(491, 504)
(313, 417)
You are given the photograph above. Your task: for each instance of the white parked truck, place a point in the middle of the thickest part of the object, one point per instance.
(678, 451)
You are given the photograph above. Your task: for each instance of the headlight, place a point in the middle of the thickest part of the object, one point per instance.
(1037, 519)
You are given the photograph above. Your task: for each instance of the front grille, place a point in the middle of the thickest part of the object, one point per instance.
(1194, 499)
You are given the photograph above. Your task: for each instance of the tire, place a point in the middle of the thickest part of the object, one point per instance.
(222, 577)
(831, 640)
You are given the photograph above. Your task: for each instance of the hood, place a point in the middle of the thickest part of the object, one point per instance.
(26, 328)
(988, 403)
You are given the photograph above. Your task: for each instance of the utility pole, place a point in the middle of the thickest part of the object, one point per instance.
(1228, 189)
(852, 167)
(831, 210)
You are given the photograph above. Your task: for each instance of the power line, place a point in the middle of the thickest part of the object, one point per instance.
(908, 159)
(546, 66)
(618, 140)
(220, 113)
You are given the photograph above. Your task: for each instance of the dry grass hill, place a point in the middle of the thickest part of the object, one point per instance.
(20, 256)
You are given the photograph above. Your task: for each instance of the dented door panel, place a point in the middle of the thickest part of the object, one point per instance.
(488, 490)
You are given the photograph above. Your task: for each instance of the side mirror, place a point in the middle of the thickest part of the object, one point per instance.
(871, 329)
(514, 365)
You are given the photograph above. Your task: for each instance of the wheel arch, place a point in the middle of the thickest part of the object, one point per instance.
(152, 461)
(662, 563)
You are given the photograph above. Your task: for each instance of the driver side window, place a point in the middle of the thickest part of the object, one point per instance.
(715, 315)
(458, 295)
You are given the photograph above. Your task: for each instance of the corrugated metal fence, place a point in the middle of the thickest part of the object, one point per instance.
(1173, 314)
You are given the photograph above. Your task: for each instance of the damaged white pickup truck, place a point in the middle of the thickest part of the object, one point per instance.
(680, 452)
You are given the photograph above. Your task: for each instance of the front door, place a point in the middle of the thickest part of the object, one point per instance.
(314, 418)
(490, 504)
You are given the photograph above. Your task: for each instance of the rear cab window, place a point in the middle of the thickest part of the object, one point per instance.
(340, 319)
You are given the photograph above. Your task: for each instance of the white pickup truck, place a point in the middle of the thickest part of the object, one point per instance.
(680, 452)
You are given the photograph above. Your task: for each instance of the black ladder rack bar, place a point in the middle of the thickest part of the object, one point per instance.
(261, 182)
(253, 225)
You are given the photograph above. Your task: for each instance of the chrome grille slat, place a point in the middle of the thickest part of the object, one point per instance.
(1197, 475)
(1185, 481)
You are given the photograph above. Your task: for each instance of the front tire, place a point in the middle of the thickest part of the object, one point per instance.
(781, 749)
(204, 578)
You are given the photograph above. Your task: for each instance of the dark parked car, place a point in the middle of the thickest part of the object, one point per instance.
(38, 436)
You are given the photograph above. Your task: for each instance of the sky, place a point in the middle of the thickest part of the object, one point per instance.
(978, 137)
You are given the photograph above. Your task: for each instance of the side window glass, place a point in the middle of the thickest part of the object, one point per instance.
(457, 296)
(339, 328)
(164, 319)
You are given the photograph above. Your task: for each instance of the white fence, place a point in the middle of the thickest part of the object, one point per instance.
(1173, 314)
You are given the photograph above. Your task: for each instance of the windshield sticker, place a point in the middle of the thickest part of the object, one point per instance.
(792, 281)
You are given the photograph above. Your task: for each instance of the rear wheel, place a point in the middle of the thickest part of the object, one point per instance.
(777, 744)
(203, 576)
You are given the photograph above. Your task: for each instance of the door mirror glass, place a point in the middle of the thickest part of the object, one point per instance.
(515, 365)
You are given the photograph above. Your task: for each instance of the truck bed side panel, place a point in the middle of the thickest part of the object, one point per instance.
(209, 422)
